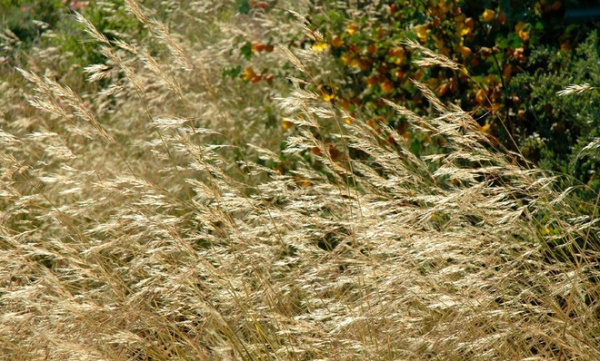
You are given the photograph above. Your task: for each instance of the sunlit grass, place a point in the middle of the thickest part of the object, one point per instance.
(140, 221)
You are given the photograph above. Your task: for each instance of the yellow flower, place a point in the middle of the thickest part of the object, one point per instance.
(286, 124)
(249, 73)
(328, 97)
(346, 58)
(399, 54)
(319, 47)
(439, 43)
(305, 183)
(488, 15)
(422, 32)
(327, 92)
(522, 30)
(485, 128)
(432, 83)
(352, 28)
(523, 35)
(520, 25)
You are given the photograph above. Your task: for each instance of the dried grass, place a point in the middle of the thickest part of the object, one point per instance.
(130, 230)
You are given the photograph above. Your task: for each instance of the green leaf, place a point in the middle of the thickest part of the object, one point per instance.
(246, 50)
(232, 72)
(243, 6)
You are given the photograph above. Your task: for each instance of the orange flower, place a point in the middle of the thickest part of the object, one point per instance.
(336, 41)
(488, 15)
(364, 64)
(470, 23)
(258, 47)
(387, 86)
(371, 81)
(259, 4)
(399, 54)
(255, 79)
(502, 18)
(465, 51)
(443, 89)
(316, 151)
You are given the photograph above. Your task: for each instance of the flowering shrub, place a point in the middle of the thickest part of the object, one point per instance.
(498, 45)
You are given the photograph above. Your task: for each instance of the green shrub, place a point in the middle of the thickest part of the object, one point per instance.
(20, 17)
(557, 128)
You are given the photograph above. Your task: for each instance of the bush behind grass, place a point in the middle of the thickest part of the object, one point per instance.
(137, 226)
(513, 58)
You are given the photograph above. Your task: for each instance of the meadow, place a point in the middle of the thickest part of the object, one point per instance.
(187, 183)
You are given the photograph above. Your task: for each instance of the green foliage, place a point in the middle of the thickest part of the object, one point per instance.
(29, 20)
(562, 125)
(19, 16)
(110, 18)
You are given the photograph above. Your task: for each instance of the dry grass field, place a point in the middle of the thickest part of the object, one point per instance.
(139, 220)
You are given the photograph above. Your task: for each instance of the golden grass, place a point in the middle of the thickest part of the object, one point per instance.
(131, 229)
